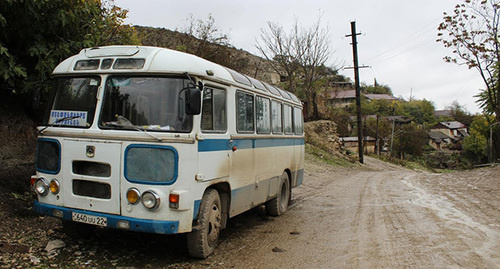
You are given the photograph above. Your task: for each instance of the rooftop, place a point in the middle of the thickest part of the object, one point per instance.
(373, 96)
(450, 125)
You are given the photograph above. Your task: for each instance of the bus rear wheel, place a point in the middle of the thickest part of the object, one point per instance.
(202, 242)
(279, 204)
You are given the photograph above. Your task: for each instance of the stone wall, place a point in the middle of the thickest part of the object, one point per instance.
(323, 134)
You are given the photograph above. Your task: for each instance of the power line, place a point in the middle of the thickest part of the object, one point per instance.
(407, 40)
(423, 42)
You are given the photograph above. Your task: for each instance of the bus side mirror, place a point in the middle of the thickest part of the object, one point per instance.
(193, 101)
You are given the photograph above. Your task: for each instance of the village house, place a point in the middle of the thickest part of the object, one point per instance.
(346, 97)
(447, 135)
(340, 98)
(351, 143)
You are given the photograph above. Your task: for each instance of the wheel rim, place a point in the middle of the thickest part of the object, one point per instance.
(214, 223)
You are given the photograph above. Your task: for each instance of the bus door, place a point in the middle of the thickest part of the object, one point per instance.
(92, 170)
(264, 152)
(214, 157)
(214, 145)
(243, 156)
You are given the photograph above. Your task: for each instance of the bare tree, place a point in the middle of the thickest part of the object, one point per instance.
(472, 33)
(299, 55)
(313, 50)
(277, 47)
(209, 41)
(206, 32)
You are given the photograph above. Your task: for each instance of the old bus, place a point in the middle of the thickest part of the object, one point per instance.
(154, 140)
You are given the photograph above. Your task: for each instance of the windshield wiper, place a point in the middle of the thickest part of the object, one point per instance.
(57, 122)
(124, 123)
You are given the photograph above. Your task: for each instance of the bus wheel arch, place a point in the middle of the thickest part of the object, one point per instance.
(224, 191)
(212, 218)
(279, 204)
(290, 181)
(203, 240)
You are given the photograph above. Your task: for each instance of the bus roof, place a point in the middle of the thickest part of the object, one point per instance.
(144, 59)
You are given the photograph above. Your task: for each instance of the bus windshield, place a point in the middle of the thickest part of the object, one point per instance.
(74, 102)
(149, 103)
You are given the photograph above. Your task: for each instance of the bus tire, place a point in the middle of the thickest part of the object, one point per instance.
(202, 242)
(279, 204)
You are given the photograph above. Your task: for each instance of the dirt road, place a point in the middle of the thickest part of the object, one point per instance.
(375, 216)
(381, 216)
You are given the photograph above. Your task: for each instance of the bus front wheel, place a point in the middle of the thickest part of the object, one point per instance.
(279, 204)
(202, 242)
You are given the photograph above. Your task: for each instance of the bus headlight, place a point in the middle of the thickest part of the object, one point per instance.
(150, 200)
(41, 186)
(54, 186)
(133, 196)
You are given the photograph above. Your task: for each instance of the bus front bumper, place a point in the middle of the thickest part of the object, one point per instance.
(112, 221)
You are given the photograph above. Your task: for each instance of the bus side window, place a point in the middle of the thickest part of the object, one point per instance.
(276, 117)
(287, 119)
(213, 115)
(245, 112)
(263, 115)
(298, 123)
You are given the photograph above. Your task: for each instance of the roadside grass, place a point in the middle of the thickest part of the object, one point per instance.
(317, 154)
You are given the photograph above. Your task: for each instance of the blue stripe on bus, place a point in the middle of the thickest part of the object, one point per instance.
(138, 225)
(244, 143)
(213, 145)
(265, 143)
(224, 144)
(196, 209)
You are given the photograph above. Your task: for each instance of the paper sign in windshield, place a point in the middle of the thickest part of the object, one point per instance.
(68, 118)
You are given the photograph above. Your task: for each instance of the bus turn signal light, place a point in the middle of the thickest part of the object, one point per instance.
(32, 180)
(173, 200)
(133, 196)
(54, 186)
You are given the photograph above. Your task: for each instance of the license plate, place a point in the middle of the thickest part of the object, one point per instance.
(89, 219)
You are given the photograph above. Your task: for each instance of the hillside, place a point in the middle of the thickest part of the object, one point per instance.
(237, 59)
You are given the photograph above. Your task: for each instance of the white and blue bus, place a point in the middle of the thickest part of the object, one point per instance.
(154, 140)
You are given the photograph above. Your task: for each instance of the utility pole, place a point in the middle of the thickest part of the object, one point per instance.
(357, 88)
(377, 144)
(490, 159)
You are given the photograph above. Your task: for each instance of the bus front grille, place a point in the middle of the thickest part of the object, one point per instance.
(91, 169)
(91, 189)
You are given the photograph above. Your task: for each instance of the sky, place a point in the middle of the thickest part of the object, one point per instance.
(397, 38)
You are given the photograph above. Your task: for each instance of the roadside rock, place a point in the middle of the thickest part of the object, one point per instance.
(54, 244)
(34, 260)
(277, 249)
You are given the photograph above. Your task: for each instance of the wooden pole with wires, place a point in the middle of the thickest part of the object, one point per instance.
(357, 88)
